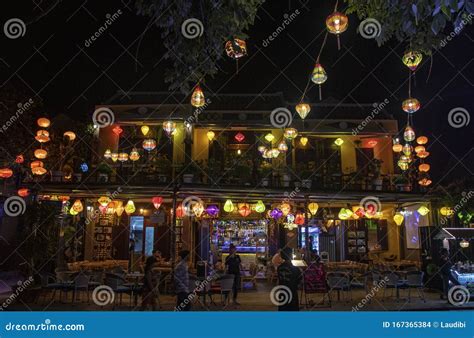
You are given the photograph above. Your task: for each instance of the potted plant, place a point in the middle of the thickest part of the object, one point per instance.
(104, 171)
(402, 183)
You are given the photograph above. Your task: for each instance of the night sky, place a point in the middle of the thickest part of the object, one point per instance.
(53, 63)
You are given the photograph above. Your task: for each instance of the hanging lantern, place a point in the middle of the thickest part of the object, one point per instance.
(464, 244)
(144, 129)
(344, 214)
(299, 219)
(212, 210)
(117, 130)
(70, 135)
(337, 23)
(422, 140)
(423, 210)
(40, 154)
(274, 152)
(197, 209)
(313, 208)
(423, 154)
(276, 213)
(210, 135)
(6, 173)
(157, 201)
(303, 141)
(403, 164)
(409, 134)
(261, 149)
(77, 206)
(358, 212)
(19, 159)
(397, 148)
(130, 207)
(236, 48)
(285, 208)
(73, 212)
(244, 209)
(42, 136)
(114, 157)
(180, 212)
(372, 143)
(134, 155)
(412, 59)
(407, 149)
(339, 141)
(419, 149)
(411, 105)
(259, 207)
(319, 76)
(119, 209)
(398, 218)
(282, 147)
(108, 154)
(123, 157)
(269, 137)
(290, 133)
(149, 144)
(43, 122)
(104, 200)
(425, 181)
(446, 211)
(37, 168)
(303, 109)
(228, 206)
(197, 98)
(239, 137)
(23, 192)
(424, 167)
(169, 127)
(84, 167)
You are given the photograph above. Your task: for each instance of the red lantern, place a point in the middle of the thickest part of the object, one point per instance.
(157, 201)
(23, 192)
(299, 219)
(103, 209)
(180, 211)
(19, 159)
(244, 209)
(239, 137)
(117, 130)
(6, 173)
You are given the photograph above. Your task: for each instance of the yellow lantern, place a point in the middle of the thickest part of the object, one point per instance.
(104, 201)
(304, 141)
(282, 147)
(259, 207)
(285, 208)
(398, 218)
(313, 208)
(303, 109)
(119, 209)
(169, 127)
(73, 212)
(344, 214)
(228, 206)
(403, 164)
(43, 122)
(134, 155)
(422, 140)
(446, 211)
(424, 167)
(210, 135)
(397, 148)
(108, 154)
(123, 157)
(130, 207)
(41, 153)
(412, 59)
(409, 134)
(411, 105)
(236, 48)
(70, 135)
(464, 244)
(407, 149)
(262, 149)
(339, 141)
(42, 136)
(290, 133)
(269, 137)
(197, 209)
(419, 149)
(77, 206)
(423, 210)
(114, 157)
(319, 75)
(197, 98)
(145, 129)
(274, 152)
(37, 168)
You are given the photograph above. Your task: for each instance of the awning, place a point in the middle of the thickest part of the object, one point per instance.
(455, 233)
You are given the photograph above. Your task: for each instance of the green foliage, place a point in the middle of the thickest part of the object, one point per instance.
(193, 59)
(419, 21)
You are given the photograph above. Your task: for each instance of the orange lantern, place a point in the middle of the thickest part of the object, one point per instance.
(6, 173)
(104, 200)
(180, 211)
(423, 154)
(236, 48)
(40, 154)
(42, 136)
(411, 105)
(23, 192)
(285, 208)
(117, 130)
(419, 149)
(299, 219)
(197, 98)
(397, 148)
(43, 122)
(244, 209)
(77, 206)
(149, 144)
(337, 23)
(422, 140)
(425, 181)
(424, 167)
(37, 168)
(70, 135)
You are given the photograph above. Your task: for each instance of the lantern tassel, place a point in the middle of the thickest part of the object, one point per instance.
(338, 43)
(237, 66)
(320, 94)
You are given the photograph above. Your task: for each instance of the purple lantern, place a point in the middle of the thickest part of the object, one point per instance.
(212, 210)
(276, 213)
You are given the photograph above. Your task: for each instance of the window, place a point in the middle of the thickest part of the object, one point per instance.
(136, 232)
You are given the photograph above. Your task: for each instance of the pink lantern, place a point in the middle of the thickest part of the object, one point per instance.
(157, 201)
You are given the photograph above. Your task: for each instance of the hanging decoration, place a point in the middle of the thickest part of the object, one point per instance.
(244, 209)
(212, 210)
(43, 122)
(423, 210)
(411, 105)
(149, 144)
(122, 157)
(23, 192)
(169, 127)
(303, 109)
(345, 214)
(464, 244)
(197, 98)
(130, 207)
(104, 200)
(285, 208)
(117, 130)
(339, 141)
(269, 137)
(304, 141)
(70, 135)
(290, 133)
(239, 137)
(145, 129)
(19, 159)
(119, 209)
(412, 59)
(236, 49)
(313, 208)
(77, 206)
(276, 213)
(134, 155)
(446, 211)
(397, 147)
(157, 201)
(319, 76)
(409, 134)
(197, 209)
(40, 154)
(37, 168)
(337, 23)
(114, 157)
(210, 135)
(228, 206)
(259, 207)
(398, 218)
(42, 136)
(108, 154)
(6, 173)
(282, 147)
(300, 219)
(422, 140)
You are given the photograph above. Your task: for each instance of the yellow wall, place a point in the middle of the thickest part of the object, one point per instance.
(200, 148)
(178, 144)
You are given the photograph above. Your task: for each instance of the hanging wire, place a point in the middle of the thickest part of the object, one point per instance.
(431, 67)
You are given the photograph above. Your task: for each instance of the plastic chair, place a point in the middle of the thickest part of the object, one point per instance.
(392, 281)
(339, 281)
(81, 284)
(415, 281)
(226, 282)
(314, 282)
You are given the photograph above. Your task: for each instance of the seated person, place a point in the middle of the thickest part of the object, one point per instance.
(315, 276)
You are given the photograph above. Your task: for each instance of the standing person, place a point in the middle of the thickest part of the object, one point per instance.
(181, 282)
(289, 276)
(131, 252)
(233, 264)
(150, 284)
(445, 270)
